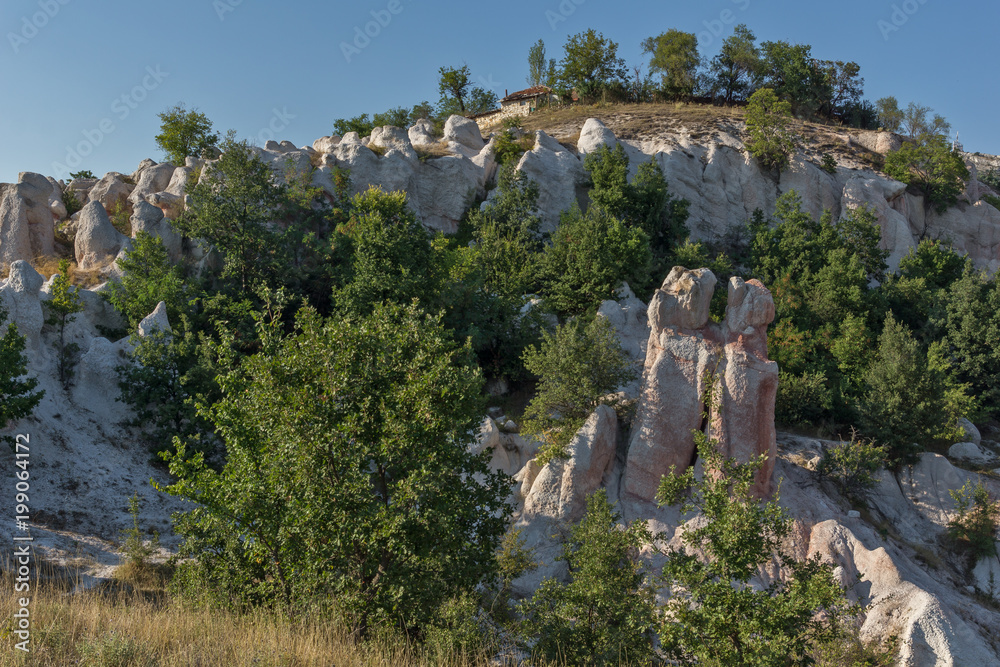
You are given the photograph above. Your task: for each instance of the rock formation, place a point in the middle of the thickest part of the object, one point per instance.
(685, 356)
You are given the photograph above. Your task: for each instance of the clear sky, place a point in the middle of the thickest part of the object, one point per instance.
(80, 76)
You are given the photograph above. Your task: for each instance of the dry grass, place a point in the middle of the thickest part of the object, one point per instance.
(127, 623)
(428, 151)
(48, 265)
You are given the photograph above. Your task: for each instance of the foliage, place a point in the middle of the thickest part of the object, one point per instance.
(737, 66)
(845, 85)
(348, 473)
(977, 520)
(645, 202)
(797, 78)
(165, 374)
(829, 164)
(537, 64)
(83, 173)
(674, 54)
(903, 406)
(148, 277)
(697, 254)
(459, 96)
(120, 217)
(135, 548)
(932, 166)
(231, 208)
(715, 612)
(915, 124)
(605, 614)
(802, 398)
(590, 63)
(18, 397)
(71, 202)
(390, 254)
(579, 367)
(185, 133)
(769, 139)
(853, 466)
(890, 116)
(60, 310)
(591, 255)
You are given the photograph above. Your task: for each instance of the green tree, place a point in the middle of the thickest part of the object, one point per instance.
(459, 96)
(716, 615)
(853, 466)
(904, 407)
(737, 66)
(769, 140)
(185, 133)
(796, 77)
(579, 368)
(845, 83)
(591, 255)
(148, 277)
(674, 54)
(605, 614)
(537, 64)
(391, 258)
(362, 124)
(890, 116)
(977, 519)
(18, 397)
(348, 474)
(932, 166)
(590, 63)
(61, 309)
(232, 207)
(645, 202)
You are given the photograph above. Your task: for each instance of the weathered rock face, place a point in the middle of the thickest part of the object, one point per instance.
(593, 135)
(464, 132)
(112, 191)
(559, 174)
(97, 240)
(421, 133)
(15, 235)
(683, 353)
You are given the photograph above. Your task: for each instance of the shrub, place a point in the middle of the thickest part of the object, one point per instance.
(18, 397)
(71, 202)
(61, 310)
(853, 466)
(137, 551)
(578, 368)
(977, 520)
(932, 166)
(591, 255)
(148, 277)
(605, 614)
(769, 140)
(802, 398)
(715, 614)
(185, 133)
(829, 165)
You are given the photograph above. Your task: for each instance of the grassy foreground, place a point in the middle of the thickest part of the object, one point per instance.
(133, 621)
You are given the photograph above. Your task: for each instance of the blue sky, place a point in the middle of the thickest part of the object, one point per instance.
(85, 77)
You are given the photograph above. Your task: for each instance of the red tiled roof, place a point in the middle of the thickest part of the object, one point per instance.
(534, 91)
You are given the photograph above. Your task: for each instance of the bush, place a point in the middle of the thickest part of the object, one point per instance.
(802, 399)
(932, 166)
(61, 309)
(591, 255)
(18, 397)
(769, 139)
(71, 202)
(137, 551)
(605, 614)
(578, 369)
(185, 133)
(716, 615)
(348, 474)
(829, 165)
(977, 520)
(148, 277)
(853, 466)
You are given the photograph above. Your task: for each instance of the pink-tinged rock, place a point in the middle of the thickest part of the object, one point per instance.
(683, 353)
(744, 425)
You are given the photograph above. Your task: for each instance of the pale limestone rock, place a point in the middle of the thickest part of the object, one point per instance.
(326, 144)
(464, 132)
(393, 139)
(593, 135)
(421, 133)
(971, 453)
(559, 175)
(970, 431)
(15, 233)
(97, 240)
(155, 321)
(111, 191)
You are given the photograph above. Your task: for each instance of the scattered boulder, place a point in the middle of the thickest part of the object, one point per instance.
(464, 132)
(593, 135)
(393, 139)
(326, 144)
(971, 453)
(97, 240)
(112, 191)
(970, 431)
(421, 133)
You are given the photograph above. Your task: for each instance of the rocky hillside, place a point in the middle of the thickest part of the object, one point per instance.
(890, 558)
